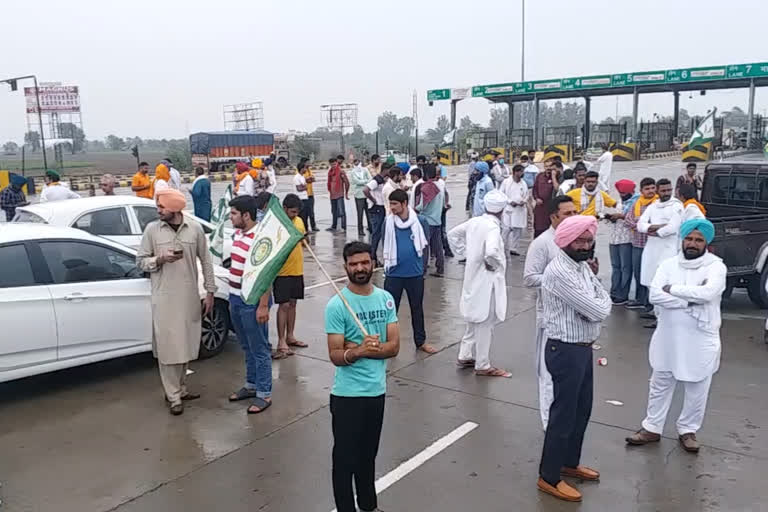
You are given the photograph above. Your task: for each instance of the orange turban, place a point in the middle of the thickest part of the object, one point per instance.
(256, 163)
(172, 199)
(162, 172)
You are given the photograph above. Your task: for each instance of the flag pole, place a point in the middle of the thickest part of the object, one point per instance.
(338, 292)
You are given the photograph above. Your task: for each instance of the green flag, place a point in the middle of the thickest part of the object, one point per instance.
(219, 217)
(274, 239)
(705, 132)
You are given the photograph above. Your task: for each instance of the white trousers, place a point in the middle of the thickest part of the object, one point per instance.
(476, 343)
(174, 378)
(546, 388)
(661, 389)
(511, 237)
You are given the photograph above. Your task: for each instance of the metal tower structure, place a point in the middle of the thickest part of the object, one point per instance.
(244, 116)
(339, 116)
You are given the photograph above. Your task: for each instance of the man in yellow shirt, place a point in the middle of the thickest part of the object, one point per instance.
(308, 211)
(589, 200)
(141, 183)
(289, 285)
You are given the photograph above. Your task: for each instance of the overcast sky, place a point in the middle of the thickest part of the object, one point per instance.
(165, 68)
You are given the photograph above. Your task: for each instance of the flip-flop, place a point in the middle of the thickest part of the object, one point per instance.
(281, 354)
(493, 372)
(262, 404)
(242, 394)
(297, 343)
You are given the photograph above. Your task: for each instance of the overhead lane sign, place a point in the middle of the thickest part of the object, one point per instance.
(586, 83)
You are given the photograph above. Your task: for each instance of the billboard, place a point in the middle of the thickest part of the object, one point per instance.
(53, 98)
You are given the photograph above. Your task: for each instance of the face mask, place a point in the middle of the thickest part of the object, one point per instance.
(501, 161)
(525, 164)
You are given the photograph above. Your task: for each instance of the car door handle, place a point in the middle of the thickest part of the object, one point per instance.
(75, 296)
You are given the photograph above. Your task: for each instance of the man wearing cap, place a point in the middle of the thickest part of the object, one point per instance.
(575, 305)
(685, 346)
(620, 244)
(484, 291)
(169, 251)
(13, 196)
(54, 190)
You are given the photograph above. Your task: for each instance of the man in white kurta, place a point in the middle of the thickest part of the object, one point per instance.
(605, 167)
(685, 347)
(484, 291)
(541, 251)
(54, 190)
(170, 249)
(515, 217)
(661, 221)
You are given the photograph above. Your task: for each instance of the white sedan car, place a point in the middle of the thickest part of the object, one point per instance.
(119, 218)
(69, 298)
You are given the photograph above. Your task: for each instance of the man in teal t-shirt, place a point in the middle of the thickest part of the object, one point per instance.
(357, 397)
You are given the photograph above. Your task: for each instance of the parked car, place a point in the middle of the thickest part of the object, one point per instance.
(735, 195)
(119, 218)
(69, 298)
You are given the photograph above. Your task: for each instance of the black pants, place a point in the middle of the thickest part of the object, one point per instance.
(377, 216)
(414, 287)
(356, 423)
(571, 369)
(308, 212)
(435, 248)
(443, 228)
(338, 211)
(362, 208)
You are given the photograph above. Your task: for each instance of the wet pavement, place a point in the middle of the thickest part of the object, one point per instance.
(100, 438)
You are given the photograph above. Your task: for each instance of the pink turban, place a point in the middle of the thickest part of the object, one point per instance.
(572, 228)
(172, 199)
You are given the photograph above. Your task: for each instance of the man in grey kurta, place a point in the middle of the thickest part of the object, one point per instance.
(169, 251)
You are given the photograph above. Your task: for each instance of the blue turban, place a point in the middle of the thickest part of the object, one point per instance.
(404, 166)
(18, 180)
(481, 167)
(705, 227)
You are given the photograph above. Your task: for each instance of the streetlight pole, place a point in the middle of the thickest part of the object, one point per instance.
(522, 46)
(12, 82)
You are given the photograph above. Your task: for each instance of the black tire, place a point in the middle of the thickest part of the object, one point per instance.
(215, 330)
(756, 289)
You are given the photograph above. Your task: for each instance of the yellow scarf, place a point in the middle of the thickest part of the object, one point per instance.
(641, 202)
(253, 173)
(693, 201)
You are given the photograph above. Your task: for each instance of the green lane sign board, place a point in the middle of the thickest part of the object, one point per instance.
(695, 74)
(438, 94)
(586, 83)
(747, 70)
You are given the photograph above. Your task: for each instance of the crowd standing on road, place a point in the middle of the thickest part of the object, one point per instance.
(659, 238)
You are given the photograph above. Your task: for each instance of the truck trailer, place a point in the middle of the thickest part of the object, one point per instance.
(216, 151)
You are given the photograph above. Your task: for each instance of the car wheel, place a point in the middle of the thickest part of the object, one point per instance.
(215, 330)
(756, 289)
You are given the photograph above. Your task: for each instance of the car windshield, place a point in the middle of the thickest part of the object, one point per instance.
(24, 216)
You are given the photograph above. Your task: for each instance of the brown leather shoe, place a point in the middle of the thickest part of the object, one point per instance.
(582, 472)
(642, 437)
(562, 491)
(689, 442)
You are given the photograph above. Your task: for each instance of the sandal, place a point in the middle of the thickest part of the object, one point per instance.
(242, 394)
(465, 363)
(493, 372)
(282, 353)
(260, 404)
(297, 343)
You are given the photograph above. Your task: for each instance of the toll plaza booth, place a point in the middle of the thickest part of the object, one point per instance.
(559, 140)
(655, 137)
(484, 142)
(615, 137)
(520, 140)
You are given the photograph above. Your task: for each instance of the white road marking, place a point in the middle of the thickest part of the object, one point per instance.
(740, 316)
(423, 456)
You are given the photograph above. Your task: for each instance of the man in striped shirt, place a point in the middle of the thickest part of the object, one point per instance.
(251, 322)
(575, 304)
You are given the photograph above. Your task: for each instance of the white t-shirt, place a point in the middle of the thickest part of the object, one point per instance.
(376, 193)
(389, 187)
(299, 180)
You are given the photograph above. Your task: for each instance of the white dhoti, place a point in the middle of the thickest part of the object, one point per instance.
(511, 237)
(546, 388)
(476, 343)
(661, 389)
(174, 378)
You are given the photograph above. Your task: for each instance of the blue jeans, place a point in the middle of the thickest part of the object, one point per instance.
(376, 215)
(641, 292)
(338, 211)
(621, 274)
(254, 338)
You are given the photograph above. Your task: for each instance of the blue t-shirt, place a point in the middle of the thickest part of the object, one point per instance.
(364, 377)
(409, 263)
